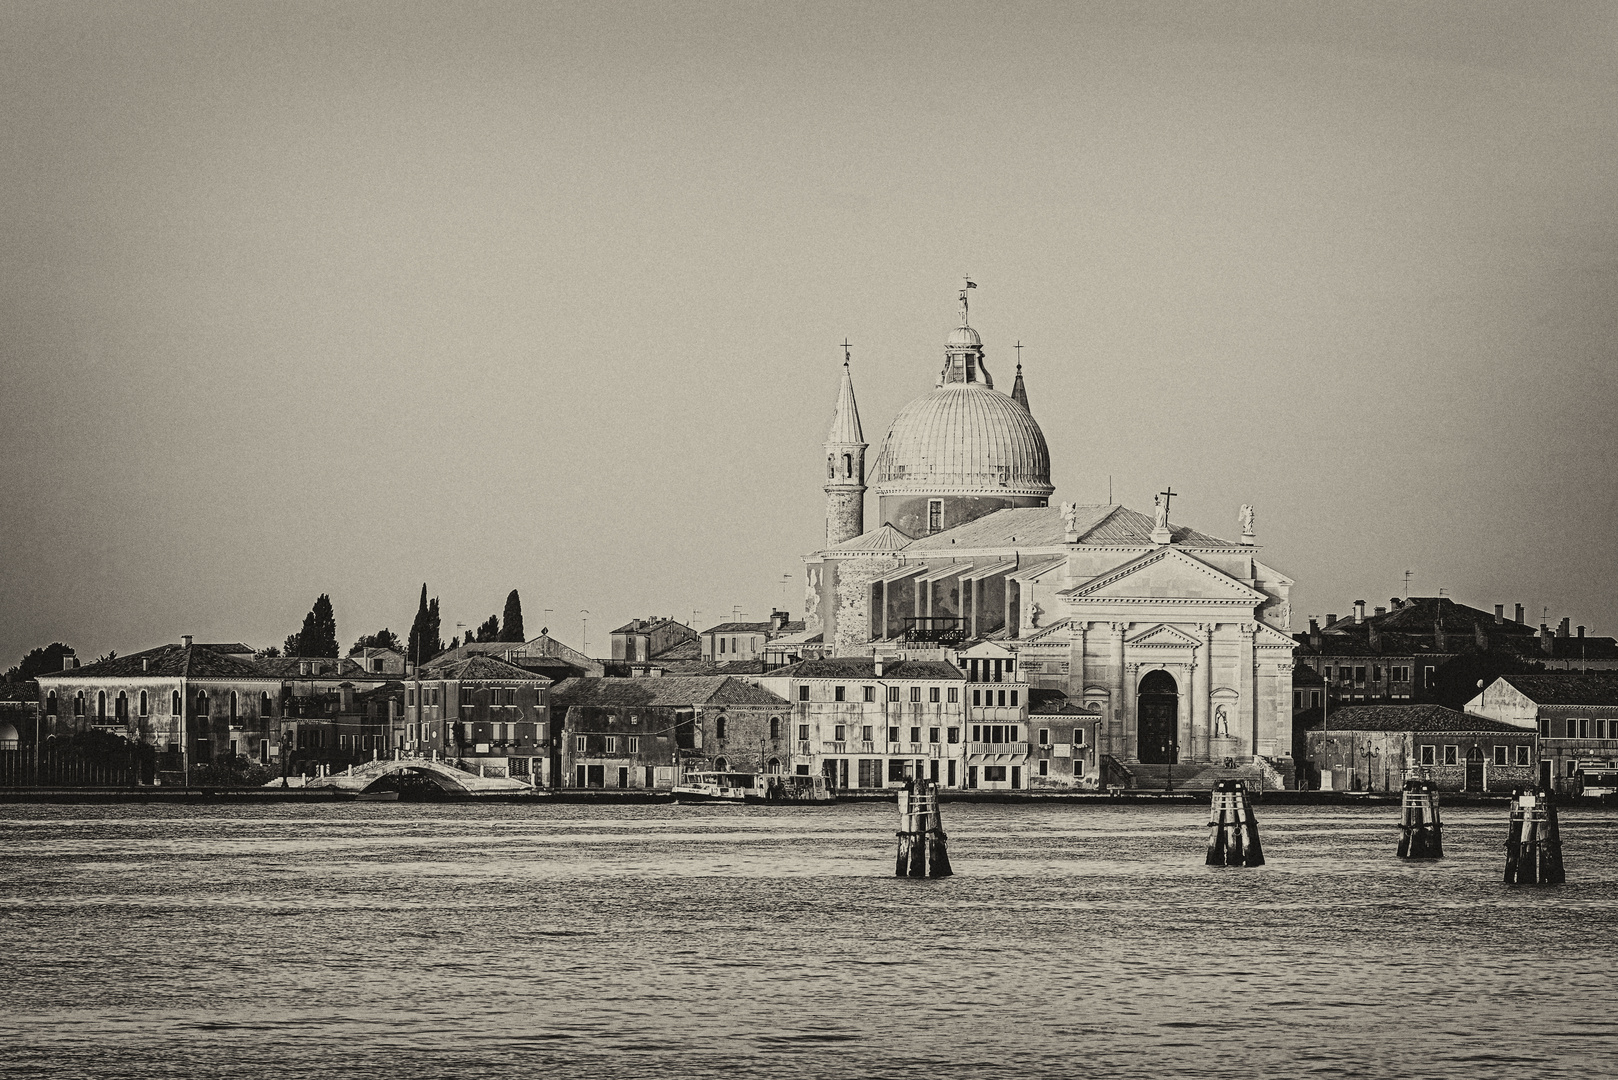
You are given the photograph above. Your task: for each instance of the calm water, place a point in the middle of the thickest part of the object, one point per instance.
(433, 940)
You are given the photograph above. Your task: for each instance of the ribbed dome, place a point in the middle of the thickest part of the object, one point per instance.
(963, 337)
(964, 438)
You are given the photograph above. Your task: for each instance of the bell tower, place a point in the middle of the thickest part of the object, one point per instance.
(845, 465)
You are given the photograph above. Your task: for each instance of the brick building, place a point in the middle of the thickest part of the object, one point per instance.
(1379, 747)
(1575, 715)
(485, 712)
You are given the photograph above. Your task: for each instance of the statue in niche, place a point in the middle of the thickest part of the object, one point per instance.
(1246, 519)
(1070, 522)
(1221, 723)
(1034, 612)
(1162, 512)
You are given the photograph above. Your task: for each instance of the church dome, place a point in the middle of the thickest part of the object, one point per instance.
(964, 438)
(963, 337)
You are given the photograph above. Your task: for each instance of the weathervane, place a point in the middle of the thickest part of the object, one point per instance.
(970, 284)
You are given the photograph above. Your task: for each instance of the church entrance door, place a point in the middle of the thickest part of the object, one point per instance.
(1157, 719)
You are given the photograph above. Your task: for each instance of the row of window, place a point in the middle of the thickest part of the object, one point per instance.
(1429, 755)
(498, 695)
(120, 704)
(987, 698)
(868, 693)
(1356, 676)
(1580, 727)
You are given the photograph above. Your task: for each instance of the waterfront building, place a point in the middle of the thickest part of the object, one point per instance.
(1575, 716)
(645, 733)
(332, 730)
(745, 640)
(316, 676)
(192, 705)
(485, 712)
(1379, 747)
(876, 721)
(1180, 639)
(1063, 737)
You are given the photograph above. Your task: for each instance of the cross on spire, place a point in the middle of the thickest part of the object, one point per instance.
(1018, 347)
(845, 352)
(1168, 497)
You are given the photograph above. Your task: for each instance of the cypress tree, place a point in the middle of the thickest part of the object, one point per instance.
(418, 647)
(319, 634)
(511, 622)
(489, 629)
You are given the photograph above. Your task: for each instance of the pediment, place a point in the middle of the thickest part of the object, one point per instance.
(1163, 634)
(1269, 635)
(1166, 574)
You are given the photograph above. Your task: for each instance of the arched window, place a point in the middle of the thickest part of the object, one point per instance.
(775, 765)
(50, 703)
(848, 465)
(720, 764)
(831, 469)
(174, 706)
(775, 727)
(143, 703)
(101, 704)
(202, 703)
(719, 728)
(121, 706)
(78, 703)
(264, 703)
(233, 704)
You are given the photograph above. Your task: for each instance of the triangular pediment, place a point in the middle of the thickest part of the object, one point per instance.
(1165, 574)
(1162, 634)
(1269, 635)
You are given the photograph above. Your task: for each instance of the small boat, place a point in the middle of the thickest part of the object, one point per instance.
(377, 796)
(777, 788)
(721, 787)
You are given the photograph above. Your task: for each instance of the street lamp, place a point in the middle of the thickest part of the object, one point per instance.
(1171, 750)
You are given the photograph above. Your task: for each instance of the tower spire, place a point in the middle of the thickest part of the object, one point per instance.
(1019, 393)
(845, 464)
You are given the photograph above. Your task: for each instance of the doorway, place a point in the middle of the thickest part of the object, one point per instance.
(1474, 768)
(1157, 714)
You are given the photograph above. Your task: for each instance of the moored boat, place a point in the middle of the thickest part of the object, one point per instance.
(720, 787)
(776, 788)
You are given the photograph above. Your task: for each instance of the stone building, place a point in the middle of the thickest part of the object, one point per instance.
(745, 640)
(192, 705)
(487, 713)
(1379, 747)
(873, 722)
(1575, 716)
(1179, 638)
(641, 640)
(646, 733)
(1063, 738)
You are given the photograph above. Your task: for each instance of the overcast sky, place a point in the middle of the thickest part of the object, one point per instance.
(344, 298)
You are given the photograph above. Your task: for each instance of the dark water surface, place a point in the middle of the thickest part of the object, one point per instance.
(452, 940)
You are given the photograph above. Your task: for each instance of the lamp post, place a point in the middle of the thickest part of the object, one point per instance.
(1171, 750)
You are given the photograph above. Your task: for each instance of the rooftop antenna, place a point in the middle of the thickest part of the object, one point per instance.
(1407, 584)
(785, 580)
(694, 613)
(1109, 489)
(584, 617)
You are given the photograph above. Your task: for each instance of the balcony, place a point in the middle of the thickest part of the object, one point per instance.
(990, 749)
(938, 631)
(998, 715)
(832, 746)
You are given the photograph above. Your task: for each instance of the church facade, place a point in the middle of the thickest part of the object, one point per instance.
(1176, 640)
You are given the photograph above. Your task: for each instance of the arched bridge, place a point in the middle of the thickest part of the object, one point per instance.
(448, 777)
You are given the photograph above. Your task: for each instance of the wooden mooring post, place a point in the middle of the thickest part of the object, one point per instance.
(921, 833)
(1420, 834)
(1233, 831)
(1533, 840)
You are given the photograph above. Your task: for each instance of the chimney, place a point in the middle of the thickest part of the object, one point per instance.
(1330, 619)
(1518, 619)
(187, 639)
(1581, 630)
(778, 619)
(879, 667)
(1314, 634)
(69, 661)
(1562, 627)
(146, 663)
(1381, 611)
(1499, 614)
(1359, 612)
(1395, 603)
(1545, 644)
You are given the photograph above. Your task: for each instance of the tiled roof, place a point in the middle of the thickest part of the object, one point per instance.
(1043, 526)
(168, 661)
(864, 667)
(1584, 688)
(689, 649)
(234, 648)
(1434, 718)
(287, 667)
(646, 626)
(21, 692)
(673, 691)
(755, 628)
(474, 668)
(886, 538)
(1043, 702)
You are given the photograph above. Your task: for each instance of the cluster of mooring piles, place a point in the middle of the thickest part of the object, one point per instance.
(1533, 842)
(921, 833)
(1420, 834)
(1233, 839)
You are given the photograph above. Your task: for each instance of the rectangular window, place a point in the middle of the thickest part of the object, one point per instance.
(1572, 727)
(612, 744)
(915, 694)
(1452, 755)
(915, 734)
(582, 743)
(953, 734)
(1044, 736)
(1016, 733)
(1601, 728)
(1499, 755)
(1429, 755)
(932, 694)
(1522, 754)
(803, 693)
(1584, 728)
(1429, 676)
(893, 734)
(803, 732)
(893, 693)
(977, 732)
(932, 735)
(977, 698)
(1359, 676)
(994, 772)
(1044, 767)
(1078, 766)
(865, 733)
(1002, 699)
(1014, 699)
(1078, 736)
(869, 693)
(838, 732)
(839, 693)
(935, 515)
(721, 646)
(634, 744)
(955, 695)
(897, 768)
(1010, 662)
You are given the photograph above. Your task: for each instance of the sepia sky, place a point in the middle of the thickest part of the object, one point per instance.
(343, 298)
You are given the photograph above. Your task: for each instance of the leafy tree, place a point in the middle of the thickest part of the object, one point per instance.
(454, 643)
(424, 642)
(268, 653)
(511, 622)
(319, 634)
(113, 655)
(40, 662)
(382, 639)
(489, 629)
